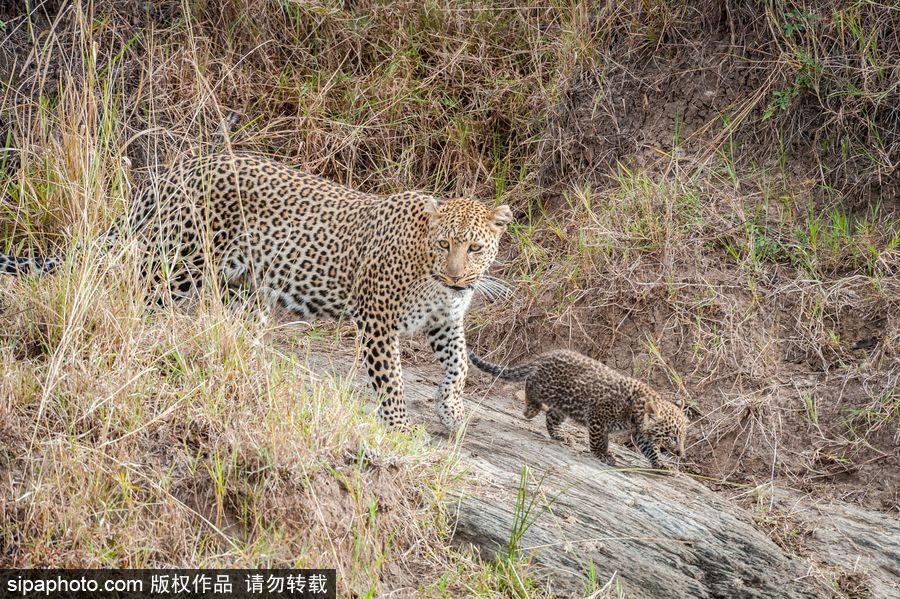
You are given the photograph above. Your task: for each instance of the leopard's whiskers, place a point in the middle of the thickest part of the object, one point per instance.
(493, 288)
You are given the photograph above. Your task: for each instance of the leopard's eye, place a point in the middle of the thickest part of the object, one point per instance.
(443, 244)
(475, 248)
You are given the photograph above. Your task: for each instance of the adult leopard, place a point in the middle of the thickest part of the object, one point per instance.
(396, 264)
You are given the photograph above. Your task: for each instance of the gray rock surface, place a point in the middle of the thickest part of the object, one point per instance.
(848, 540)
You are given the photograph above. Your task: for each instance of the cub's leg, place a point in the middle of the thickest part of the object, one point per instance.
(381, 346)
(449, 345)
(649, 449)
(598, 433)
(532, 406)
(531, 397)
(555, 418)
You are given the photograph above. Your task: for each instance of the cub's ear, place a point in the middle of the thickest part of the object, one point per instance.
(502, 216)
(650, 410)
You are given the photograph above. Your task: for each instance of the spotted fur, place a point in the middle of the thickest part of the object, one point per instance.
(17, 264)
(569, 384)
(396, 264)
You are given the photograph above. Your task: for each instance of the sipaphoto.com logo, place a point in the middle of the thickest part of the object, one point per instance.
(25, 586)
(124, 583)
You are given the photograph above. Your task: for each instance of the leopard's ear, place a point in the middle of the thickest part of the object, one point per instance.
(502, 216)
(433, 208)
(650, 410)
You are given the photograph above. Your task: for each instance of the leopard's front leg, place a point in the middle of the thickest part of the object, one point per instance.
(381, 345)
(449, 345)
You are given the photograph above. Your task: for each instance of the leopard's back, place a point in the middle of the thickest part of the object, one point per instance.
(302, 240)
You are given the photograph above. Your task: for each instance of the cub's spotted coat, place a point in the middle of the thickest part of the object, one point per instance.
(569, 384)
(395, 264)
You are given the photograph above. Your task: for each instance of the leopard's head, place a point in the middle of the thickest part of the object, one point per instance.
(465, 237)
(665, 423)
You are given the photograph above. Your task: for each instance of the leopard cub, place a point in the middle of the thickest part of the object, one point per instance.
(569, 384)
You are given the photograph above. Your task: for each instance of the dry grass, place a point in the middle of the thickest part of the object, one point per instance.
(181, 437)
(741, 250)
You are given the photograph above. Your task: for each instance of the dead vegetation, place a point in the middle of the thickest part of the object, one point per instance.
(706, 198)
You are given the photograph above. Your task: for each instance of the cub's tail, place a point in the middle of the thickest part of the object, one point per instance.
(514, 373)
(22, 265)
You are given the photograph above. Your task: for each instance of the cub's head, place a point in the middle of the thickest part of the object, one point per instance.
(465, 236)
(665, 423)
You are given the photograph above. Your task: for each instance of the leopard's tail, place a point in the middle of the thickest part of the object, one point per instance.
(42, 265)
(23, 265)
(509, 373)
